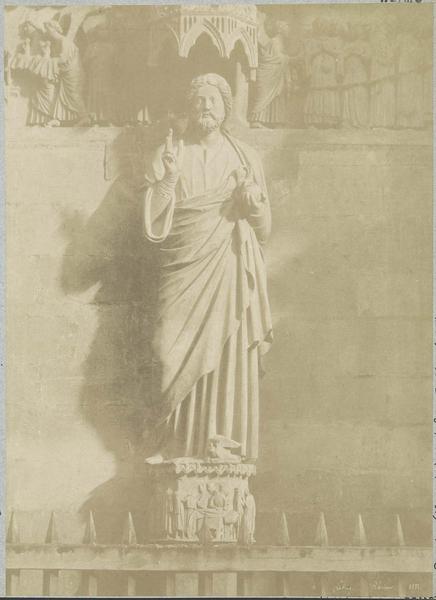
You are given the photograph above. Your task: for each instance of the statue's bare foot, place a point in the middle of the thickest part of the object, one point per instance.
(53, 123)
(156, 459)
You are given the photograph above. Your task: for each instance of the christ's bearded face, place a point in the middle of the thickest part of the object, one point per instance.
(207, 109)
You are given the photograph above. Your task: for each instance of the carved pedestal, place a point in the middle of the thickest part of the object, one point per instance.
(201, 501)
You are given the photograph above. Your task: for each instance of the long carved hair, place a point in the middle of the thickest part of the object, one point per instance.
(226, 93)
(217, 81)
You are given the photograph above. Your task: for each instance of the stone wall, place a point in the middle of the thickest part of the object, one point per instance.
(346, 400)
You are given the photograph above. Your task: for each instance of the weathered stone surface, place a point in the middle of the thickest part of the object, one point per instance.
(201, 501)
(344, 371)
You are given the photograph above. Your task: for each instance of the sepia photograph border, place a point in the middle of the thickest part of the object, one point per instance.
(3, 239)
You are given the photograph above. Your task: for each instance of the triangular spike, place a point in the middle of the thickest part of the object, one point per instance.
(52, 533)
(129, 533)
(359, 537)
(399, 531)
(90, 533)
(283, 534)
(321, 538)
(13, 535)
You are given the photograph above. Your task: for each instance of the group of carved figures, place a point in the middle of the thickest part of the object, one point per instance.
(342, 77)
(57, 76)
(212, 513)
(345, 75)
(68, 85)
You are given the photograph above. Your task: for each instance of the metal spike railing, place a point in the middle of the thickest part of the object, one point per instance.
(322, 539)
(399, 531)
(283, 534)
(50, 582)
(90, 578)
(13, 535)
(13, 575)
(283, 540)
(207, 569)
(359, 537)
(129, 534)
(129, 538)
(90, 536)
(321, 536)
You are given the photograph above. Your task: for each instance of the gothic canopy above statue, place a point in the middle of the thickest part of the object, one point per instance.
(226, 25)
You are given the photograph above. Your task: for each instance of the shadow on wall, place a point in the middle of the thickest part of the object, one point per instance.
(110, 252)
(313, 257)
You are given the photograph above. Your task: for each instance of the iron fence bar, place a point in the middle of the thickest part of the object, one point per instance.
(275, 559)
(89, 583)
(13, 582)
(130, 584)
(50, 583)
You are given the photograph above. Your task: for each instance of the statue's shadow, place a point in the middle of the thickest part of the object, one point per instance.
(109, 263)
(109, 252)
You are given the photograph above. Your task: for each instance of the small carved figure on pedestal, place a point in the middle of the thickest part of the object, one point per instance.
(219, 498)
(203, 497)
(191, 517)
(168, 513)
(178, 516)
(238, 507)
(202, 504)
(230, 516)
(211, 491)
(217, 501)
(205, 535)
(248, 519)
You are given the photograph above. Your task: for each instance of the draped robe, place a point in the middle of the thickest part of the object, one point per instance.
(214, 321)
(382, 86)
(355, 102)
(69, 104)
(45, 71)
(322, 106)
(270, 94)
(410, 84)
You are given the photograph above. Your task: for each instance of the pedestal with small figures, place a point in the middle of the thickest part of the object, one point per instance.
(201, 500)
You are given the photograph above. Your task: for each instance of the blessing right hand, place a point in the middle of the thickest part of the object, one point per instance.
(169, 158)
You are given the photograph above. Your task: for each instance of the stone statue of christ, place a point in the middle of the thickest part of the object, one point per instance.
(207, 206)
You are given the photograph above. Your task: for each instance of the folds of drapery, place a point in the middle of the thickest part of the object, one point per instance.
(214, 319)
(224, 401)
(271, 78)
(274, 113)
(70, 101)
(41, 103)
